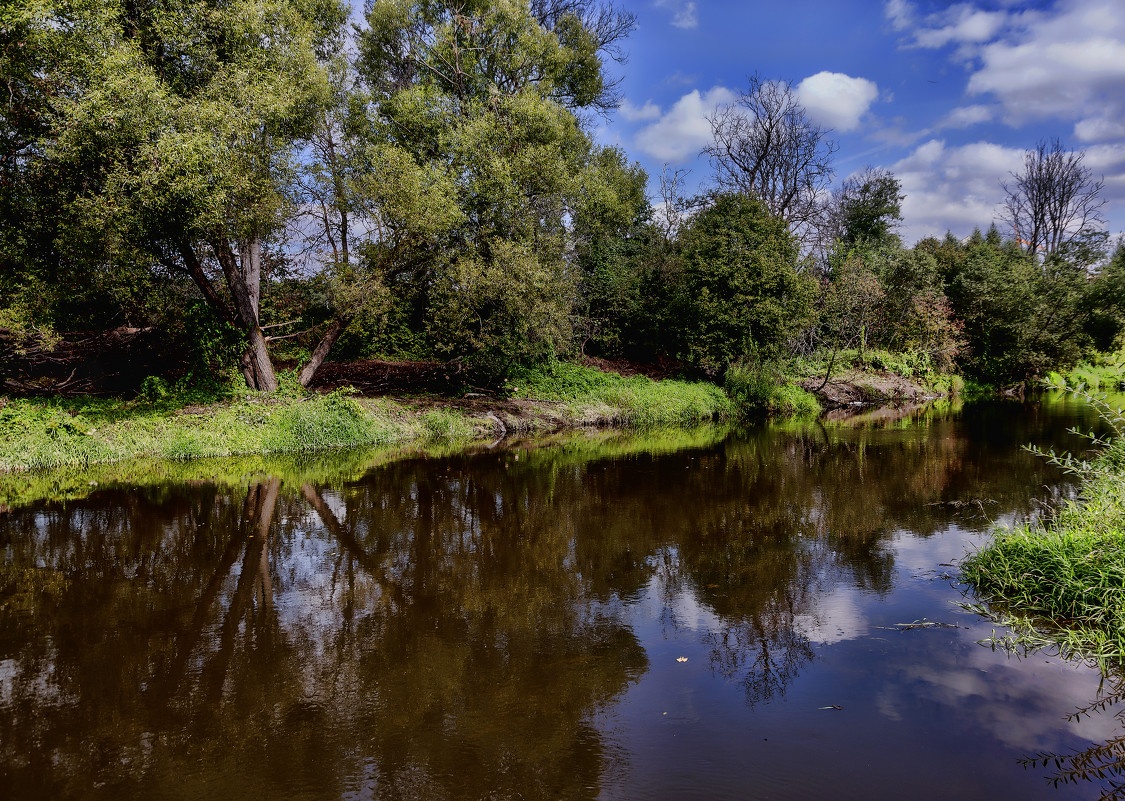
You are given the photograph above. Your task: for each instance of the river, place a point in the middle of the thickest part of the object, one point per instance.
(769, 613)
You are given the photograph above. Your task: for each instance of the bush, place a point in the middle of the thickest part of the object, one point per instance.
(763, 391)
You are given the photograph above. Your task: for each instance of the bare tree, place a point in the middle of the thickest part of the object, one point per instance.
(765, 145)
(1054, 200)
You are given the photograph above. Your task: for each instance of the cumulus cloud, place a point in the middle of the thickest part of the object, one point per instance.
(953, 188)
(1044, 76)
(961, 24)
(631, 113)
(684, 12)
(1099, 128)
(1107, 162)
(967, 116)
(836, 100)
(683, 130)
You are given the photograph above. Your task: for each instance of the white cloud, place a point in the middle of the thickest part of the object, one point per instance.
(631, 113)
(953, 188)
(967, 116)
(961, 24)
(1100, 128)
(684, 130)
(1062, 62)
(836, 100)
(1107, 162)
(1043, 77)
(684, 12)
(900, 14)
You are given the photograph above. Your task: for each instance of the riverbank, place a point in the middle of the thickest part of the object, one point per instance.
(45, 434)
(42, 434)
(1062, 582)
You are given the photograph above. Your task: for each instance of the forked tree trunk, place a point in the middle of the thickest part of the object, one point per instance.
(320, 353)
(257, 368)
(244, 281)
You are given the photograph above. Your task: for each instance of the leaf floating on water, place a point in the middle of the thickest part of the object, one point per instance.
(681, 658)
(834, 706)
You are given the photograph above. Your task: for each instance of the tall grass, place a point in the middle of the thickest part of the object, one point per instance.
(1063, 582)
(47, 435)
(592, 396)
(764, 391)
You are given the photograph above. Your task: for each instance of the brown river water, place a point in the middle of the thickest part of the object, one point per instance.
(769, 613)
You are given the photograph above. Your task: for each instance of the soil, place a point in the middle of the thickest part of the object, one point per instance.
(852, 388)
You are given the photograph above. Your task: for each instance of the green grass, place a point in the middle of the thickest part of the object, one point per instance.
(1063, 582)
(764, 391)
(590, 396)
(49, 434)
(561, 448)
(1104, 371)
(41, 435)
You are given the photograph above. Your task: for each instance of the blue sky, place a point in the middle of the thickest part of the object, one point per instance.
(946, 95)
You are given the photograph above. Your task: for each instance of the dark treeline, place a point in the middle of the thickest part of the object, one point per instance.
(260, 183)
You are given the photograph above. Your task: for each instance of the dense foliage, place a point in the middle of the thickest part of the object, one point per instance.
(252, 181)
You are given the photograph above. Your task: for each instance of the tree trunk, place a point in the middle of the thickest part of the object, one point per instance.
(245, 288)
(308, 372)
(257, 368)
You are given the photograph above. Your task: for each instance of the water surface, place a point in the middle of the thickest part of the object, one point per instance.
(706, 615)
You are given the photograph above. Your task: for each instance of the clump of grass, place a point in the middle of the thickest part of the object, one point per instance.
(1063, 582)
(595, 396)
(764, 391)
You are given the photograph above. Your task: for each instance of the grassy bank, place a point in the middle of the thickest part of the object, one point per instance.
(1102, 372)
(586, 396)
(561, 448)
(48, 434)
(1063, 582)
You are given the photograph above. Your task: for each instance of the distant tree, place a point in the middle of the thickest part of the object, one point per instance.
(766, 146)
(1055, 200)
(866, 209)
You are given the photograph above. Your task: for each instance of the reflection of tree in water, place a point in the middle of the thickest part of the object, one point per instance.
(443, 628)
(204, 648)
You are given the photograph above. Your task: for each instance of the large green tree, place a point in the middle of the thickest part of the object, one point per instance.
(742, 294)
(171, 133)
(475, 104)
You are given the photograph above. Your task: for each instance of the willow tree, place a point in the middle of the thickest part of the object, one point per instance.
(177, 126)
(475, 103)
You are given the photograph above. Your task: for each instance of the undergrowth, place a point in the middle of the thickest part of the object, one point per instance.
(764, 391)
(1101, 372)
(915, 365)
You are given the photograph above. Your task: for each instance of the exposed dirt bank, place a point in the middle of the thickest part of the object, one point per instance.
(853, 388)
